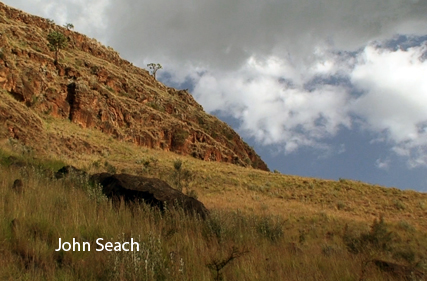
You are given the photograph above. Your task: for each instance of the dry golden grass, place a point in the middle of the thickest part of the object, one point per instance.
(292, 227)
(230, 187)
(174, 247)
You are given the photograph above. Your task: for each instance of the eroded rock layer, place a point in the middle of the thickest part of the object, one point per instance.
(93, 87)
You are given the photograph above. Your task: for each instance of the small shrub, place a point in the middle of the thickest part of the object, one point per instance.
(110, 168)
(94, 70)
(69, 26)
(156, 106)
(340, 205)
(406, 226)
(96, 194)
(96, 164)
(201, 121)
(149, 263)
(214, 227)
(302, 236)
(229, 135)
(272, 230)
(217, 264)
(181, 175)
(378, 239)
(192, 193)
(145, 162)
(399, 205)
(408, 255)
(329, 250)
(179, 137)
(37, 48)
(370, 244)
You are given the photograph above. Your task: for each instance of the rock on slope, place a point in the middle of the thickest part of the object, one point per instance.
(93, 87)
(154, 192)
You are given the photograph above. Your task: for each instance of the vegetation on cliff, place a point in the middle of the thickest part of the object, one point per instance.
(56, 72)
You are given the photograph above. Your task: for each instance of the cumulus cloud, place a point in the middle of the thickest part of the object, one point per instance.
(385, 93)
(273, 105)
(394, 100)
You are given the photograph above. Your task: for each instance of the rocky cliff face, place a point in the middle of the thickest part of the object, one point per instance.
(92, 86)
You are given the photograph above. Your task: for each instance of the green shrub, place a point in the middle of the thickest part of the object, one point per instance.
(214, 228)
(399, 205)
(69, 26)
(110, 168)
(407, 255)
(57, 41)
(179, 137)
(378, 239)
(340, 205)
(369, 245)
(181, 176)
(95, 193)
(192, 193)
(270, 229)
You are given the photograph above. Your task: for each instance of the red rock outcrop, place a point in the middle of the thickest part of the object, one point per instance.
(92, 86)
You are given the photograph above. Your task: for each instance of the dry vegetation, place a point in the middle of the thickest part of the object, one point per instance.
(267, 225)
(263, 226)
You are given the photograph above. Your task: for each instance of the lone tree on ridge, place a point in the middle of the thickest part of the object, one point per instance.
(69, 26)
(154, 67)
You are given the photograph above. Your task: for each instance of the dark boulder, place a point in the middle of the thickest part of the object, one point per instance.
(69, 171)
(152, 191)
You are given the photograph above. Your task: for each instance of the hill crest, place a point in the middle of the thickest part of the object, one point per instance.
(92, 86)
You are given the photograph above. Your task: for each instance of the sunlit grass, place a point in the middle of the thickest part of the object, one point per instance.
(294, 244)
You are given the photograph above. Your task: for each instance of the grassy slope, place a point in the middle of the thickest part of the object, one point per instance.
(227, 186)
(291, 226)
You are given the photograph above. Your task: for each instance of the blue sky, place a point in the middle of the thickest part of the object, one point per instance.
(320, 88)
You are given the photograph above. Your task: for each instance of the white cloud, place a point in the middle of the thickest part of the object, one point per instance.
(382, 164)
(274, 112)
(395, 97)
(392, 100)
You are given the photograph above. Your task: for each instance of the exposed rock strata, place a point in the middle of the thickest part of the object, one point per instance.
(93, 87)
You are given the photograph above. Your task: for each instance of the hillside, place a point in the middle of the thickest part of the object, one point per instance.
(100, 113)
(93, 87)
